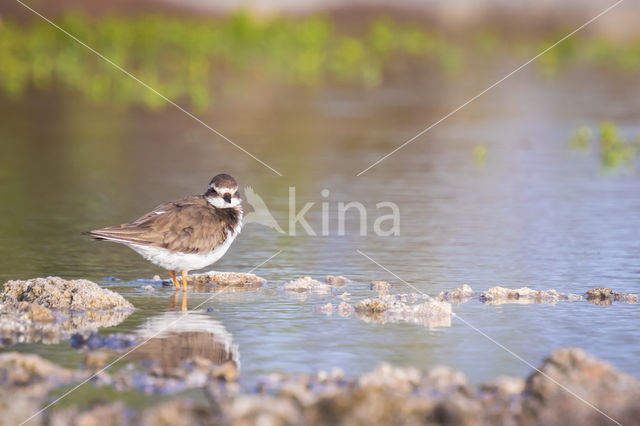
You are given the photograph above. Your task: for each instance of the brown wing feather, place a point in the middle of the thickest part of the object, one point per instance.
(190, 225)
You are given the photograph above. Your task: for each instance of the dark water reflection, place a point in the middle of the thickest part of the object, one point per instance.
(533, 214)
(170, 339)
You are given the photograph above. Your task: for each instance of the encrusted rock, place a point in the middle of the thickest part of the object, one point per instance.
(457, 295)
(393, 308)
(345, 309)
(568, 372)
(57, 294)
(326, 309)
(523, 295)
(225, 282)
(338, 281)
(380, 287)
(604, 296)
(50, 310)
(345, 296)
(307, 285)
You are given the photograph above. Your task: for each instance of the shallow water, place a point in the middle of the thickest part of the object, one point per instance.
(533, 214)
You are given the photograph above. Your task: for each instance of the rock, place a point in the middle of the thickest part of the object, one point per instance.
(457, 295)
(108, 414)
(326, 309)
(148, 288)
(57, 294)
(225, 282)
(179, 412)
(403, 379)
(610, 390)
(604, 296)
(523, 295)
(307, 285)
(392, 308)
(506, 385)
(19, 370)
(228, 371)
(338, 281)
(345, 309)
(38, 324)
(39, 313)
(345, 296)
(573, 297)
(95, 360)
(380, 287)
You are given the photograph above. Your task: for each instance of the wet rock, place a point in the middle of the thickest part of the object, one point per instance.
(95, 360)
(180, 412)
(100, 414)
(264, 409)
(505, 385)
(40, 313)
(380, 287)
(573, 297)
(345, 309)
(25, 323)
(599, 383)
(228, 371)
(457, 295)
(307, 285)
(523, 295)
(326, 309)
(604, 296)
(392, 308)
(57, 294)
(225, 282)
(19, 370)
(338, 281)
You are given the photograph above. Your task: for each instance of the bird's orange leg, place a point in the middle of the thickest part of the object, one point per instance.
(184, 280)
(175, 280)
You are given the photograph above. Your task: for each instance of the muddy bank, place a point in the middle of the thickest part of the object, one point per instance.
(51, 309)
(387, 395)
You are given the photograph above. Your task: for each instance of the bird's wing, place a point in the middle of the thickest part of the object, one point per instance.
(187, 226)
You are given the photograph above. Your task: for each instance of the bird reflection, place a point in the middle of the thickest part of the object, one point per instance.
(183, 303)
(173, 338)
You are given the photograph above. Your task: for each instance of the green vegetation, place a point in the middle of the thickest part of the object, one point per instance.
(614, 150)
(187, 59)
(581, 139)
(479, 154)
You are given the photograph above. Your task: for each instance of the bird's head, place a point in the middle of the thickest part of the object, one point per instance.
(222, 192)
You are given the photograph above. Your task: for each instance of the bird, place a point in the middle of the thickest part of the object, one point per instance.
(186, 234)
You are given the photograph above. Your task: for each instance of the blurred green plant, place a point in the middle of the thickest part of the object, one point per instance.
(479, 154)
(581, 138)
(614, 150)
(187, 58)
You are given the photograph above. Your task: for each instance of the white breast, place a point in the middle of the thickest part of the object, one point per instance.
(177, 261)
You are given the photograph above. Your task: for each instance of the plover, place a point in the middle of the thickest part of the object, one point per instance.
(187, 234)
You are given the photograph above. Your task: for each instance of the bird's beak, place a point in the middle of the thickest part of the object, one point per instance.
(227, 198)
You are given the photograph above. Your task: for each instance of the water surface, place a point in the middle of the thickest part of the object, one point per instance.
(533, 214)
